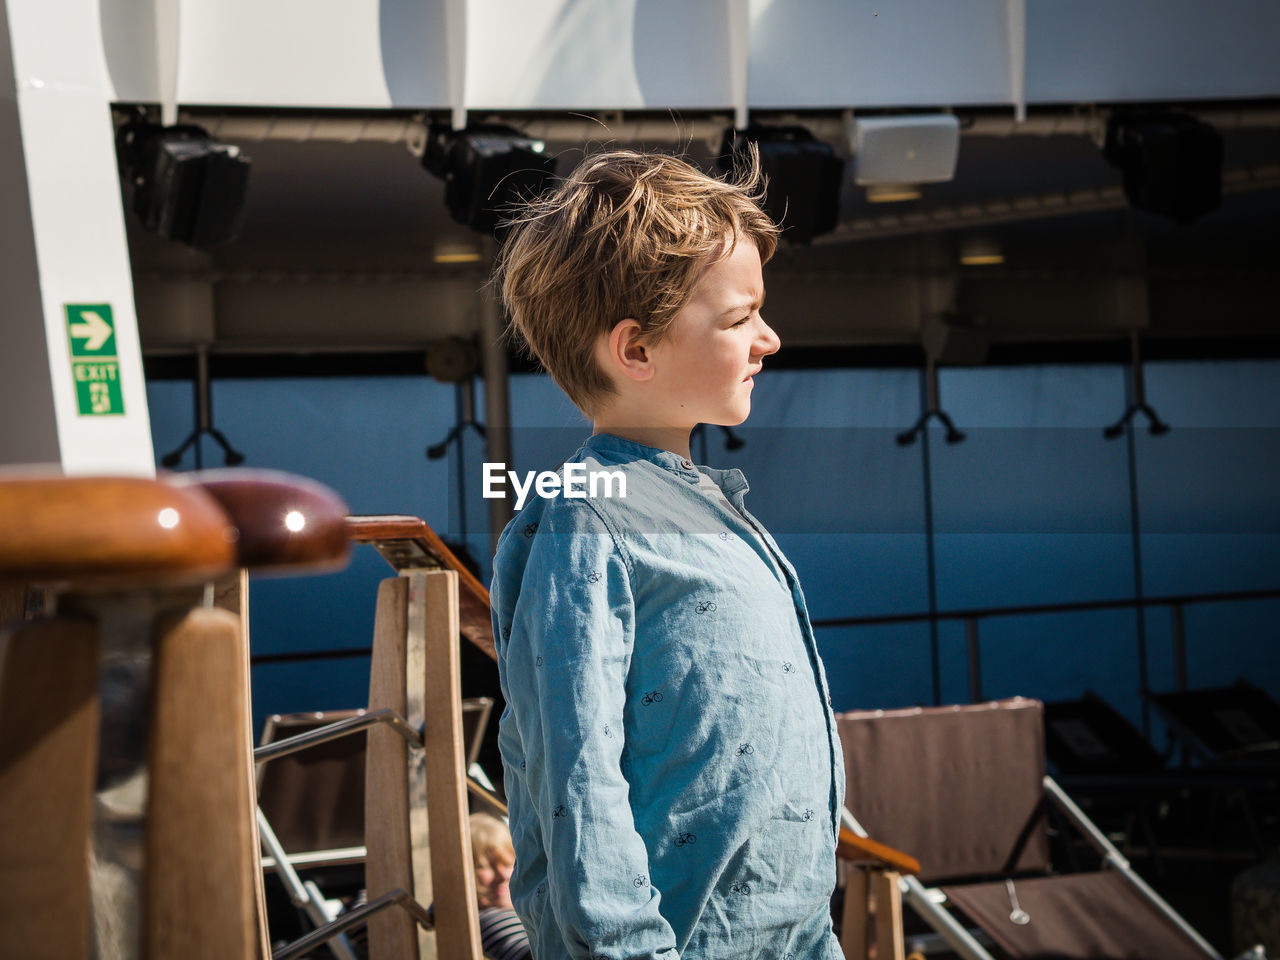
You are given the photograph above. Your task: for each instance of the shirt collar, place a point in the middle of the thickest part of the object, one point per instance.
(623, 450)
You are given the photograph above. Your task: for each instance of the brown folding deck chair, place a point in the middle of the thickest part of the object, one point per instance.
(1100, 758)
(1237, 725)
(964, 789)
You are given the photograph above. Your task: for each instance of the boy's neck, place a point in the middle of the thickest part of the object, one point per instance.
(674, 439)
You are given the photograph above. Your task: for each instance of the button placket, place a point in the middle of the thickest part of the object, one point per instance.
(776, 568)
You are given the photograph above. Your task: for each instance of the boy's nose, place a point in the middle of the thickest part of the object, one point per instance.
(767, 341)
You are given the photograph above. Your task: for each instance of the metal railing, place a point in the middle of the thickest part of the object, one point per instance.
(971, 617)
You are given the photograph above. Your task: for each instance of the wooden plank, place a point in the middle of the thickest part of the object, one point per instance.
(853, 923)
(231, 593)
(388, 866)
(199, 899)
(384, 526)
(48, 760)
(888, 899)
(856, 849)
(453, 876)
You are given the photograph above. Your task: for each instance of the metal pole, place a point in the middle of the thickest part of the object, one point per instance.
(975, 659)
(355, 918)
(960, 940)
(497, 403)
(1116, 860)
(1179, 671)
(930, 400)
(271, 844)
(930, 384)
(1179, 647)
(203, 399)
(1133, 385)
(304, 895)
(465, 402)
(339, 728)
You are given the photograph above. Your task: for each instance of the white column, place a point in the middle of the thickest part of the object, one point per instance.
(76, 368)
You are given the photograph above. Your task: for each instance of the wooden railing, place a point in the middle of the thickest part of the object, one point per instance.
(407, 543)
(125, 757)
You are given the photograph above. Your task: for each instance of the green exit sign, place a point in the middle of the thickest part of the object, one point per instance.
(95, 365)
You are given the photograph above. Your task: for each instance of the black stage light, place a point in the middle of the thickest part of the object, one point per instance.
(486, 170)
(182, 183)
(803, 192)
(1172, 163)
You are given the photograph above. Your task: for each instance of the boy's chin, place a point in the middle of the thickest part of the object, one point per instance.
(737, 418)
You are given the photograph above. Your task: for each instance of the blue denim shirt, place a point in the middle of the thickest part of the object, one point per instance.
(672, 763)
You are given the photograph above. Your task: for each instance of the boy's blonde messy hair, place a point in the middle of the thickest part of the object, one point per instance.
(626, 235)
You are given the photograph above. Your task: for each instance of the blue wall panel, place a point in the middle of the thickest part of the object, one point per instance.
(1033, 508)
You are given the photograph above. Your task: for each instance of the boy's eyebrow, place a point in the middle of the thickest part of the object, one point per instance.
(749, 307)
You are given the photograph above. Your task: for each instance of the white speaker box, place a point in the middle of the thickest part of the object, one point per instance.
(906, 149)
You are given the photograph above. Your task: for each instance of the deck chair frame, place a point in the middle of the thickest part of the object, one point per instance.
(324, 727)
(305, 894)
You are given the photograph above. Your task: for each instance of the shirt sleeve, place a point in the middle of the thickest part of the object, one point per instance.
(567, 660)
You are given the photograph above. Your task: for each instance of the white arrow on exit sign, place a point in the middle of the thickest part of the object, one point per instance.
(94, 330)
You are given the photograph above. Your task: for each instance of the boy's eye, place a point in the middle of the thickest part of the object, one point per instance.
(742, 321)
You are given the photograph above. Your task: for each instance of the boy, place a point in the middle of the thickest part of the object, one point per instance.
(671, 759)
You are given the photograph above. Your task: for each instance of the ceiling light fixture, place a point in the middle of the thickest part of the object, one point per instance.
(804, 176)
(1172, 163)
(892, 192)
(486, 170)
(904, 150)
(980, 252)
(453, 253)
(182, 183)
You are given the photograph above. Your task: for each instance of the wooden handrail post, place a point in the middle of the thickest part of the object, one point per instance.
(201, 798)
(409, 791)
(454, 879)
(389, 840)
(416, 671)
(48, 756)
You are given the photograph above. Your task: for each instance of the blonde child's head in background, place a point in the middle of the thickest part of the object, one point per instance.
(493, 857)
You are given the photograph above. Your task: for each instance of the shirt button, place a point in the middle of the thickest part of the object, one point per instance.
(686, 464)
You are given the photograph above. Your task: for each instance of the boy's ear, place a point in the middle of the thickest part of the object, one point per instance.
(626, 351)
